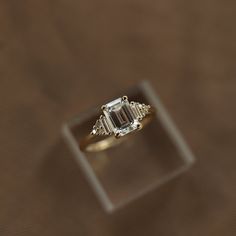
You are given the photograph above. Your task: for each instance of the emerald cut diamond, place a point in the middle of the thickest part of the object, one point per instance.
(121, 116)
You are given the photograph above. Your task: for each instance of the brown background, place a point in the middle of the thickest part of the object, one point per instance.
(58, 58)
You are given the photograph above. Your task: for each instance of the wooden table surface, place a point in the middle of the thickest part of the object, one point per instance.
(58, 58)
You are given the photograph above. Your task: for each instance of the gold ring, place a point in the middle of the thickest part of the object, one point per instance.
(120, 118)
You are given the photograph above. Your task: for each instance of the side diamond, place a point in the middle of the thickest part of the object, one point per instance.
(101, 127)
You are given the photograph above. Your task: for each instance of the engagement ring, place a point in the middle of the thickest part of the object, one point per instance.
(120, 118)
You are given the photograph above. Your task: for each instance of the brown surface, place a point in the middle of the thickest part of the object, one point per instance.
(52, 52)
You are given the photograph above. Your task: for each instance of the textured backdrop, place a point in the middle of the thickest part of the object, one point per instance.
(58, 58)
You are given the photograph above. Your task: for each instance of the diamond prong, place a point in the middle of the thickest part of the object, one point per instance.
(139, 126)
(117, 135)
(124, 98)
(103, 108)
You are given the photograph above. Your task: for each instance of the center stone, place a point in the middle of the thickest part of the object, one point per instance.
(121, 116)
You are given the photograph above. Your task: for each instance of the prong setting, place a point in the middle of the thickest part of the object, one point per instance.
(139, 126)
(125, 98)
(117, 135)
(103, 108)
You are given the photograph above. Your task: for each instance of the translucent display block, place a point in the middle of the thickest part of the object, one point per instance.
(142, 162)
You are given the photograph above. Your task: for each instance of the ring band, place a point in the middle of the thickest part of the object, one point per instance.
(120, 118)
